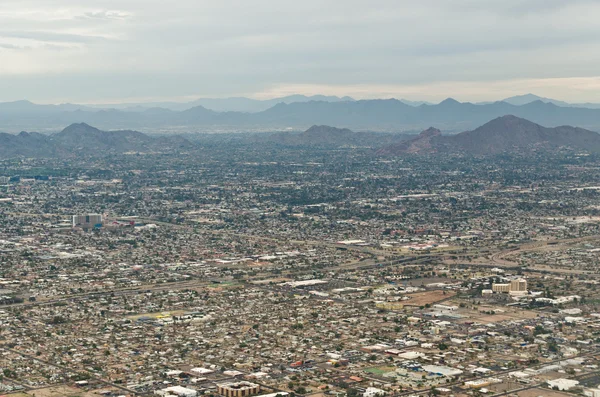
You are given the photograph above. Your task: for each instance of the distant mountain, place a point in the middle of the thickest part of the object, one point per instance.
(415, 103)
(20, 107)
(383, 115)
(503, 134)
(326, 136)
(26, 144)
(520, 100)
(83, 139)
(234, 104)
(425, 142)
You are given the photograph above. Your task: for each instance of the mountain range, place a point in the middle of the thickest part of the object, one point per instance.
(506, 134)
(528, 98)
(383, 115)
(328, 137)
(83, 139)
(501, 135)
(234, 104)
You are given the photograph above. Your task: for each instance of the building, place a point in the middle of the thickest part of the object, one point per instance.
(501, 288)
(518, 286)
(562, 384)
(201, 371)
(87, 221)
(591, 392)
(238, 389)
(373, 392)
(445, 307)
(177, 391)
(442, 370)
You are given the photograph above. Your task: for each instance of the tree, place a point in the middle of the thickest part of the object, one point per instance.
(352, 393)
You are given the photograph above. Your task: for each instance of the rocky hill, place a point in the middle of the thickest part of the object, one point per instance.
(326, 136)
(83, 139)
(503, 134)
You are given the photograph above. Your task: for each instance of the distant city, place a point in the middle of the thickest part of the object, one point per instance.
(301, 263)
(383, 198)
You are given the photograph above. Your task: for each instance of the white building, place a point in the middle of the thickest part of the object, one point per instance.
(373, 392)
(442, 370)
(445, 307)
(562, 384)
(177, 391)
(591, 392)
(201, 371)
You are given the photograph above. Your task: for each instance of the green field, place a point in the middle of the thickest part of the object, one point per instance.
(380, 370)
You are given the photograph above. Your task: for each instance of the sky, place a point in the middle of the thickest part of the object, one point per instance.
(117, 51)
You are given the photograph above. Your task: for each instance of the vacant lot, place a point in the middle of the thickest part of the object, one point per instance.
(429, 297)
(542, 392)
(60, 391)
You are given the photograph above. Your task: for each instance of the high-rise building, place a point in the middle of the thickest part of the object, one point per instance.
(87, 221)
(515, 286)
(238, 389)
(519, 285)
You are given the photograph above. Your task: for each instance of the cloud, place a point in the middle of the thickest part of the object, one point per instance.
(231, 47)
(106, 15)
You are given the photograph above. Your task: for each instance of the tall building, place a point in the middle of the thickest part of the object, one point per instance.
(519, 285)
(87, 221)
(515, 286)
(238, 389)
(4, 180)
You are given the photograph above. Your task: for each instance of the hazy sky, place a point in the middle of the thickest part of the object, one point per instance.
(133, 50)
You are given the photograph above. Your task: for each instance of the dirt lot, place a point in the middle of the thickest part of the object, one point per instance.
(542, 392)
(62, 391)
(429, 297)
(503, 313)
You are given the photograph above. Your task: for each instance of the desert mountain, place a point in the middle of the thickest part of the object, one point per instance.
(232, 104)
(503, 134)
(519, 100)
(367, 115)
(83, 139)
(326, 136)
